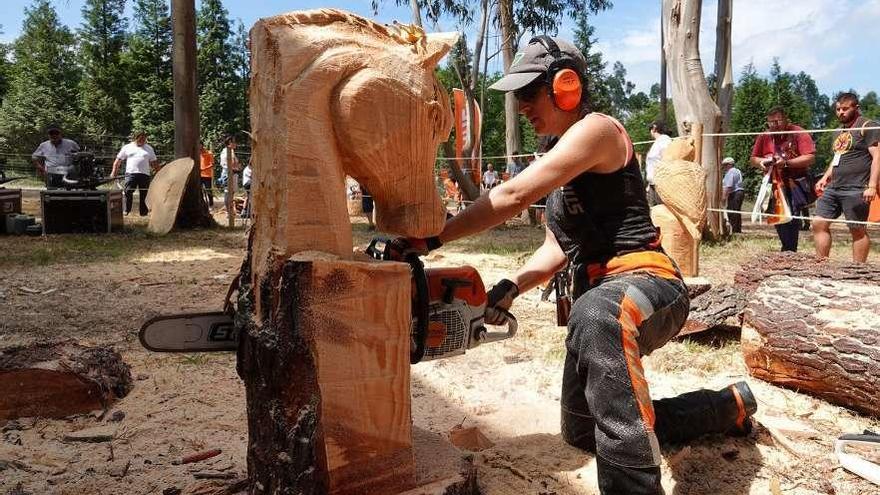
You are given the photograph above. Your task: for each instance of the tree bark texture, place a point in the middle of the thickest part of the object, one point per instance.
(690, 92)
(58, 379)
(814, 326)
(714, 308)
(325, 359)
(193, 210)
(512, 137)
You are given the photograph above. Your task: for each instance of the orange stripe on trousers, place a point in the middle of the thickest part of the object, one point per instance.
(630, 318)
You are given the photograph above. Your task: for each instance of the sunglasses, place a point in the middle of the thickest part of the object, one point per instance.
(529, 92)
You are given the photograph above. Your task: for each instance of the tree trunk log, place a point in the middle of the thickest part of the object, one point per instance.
(54, 380)
(193, 211)
(512, 137)
(814, 326)
(325, 361)
(714, 308)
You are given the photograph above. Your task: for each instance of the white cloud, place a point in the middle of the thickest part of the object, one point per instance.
(833, 41)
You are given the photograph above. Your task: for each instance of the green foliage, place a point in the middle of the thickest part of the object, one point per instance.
(43, 80)
(750, 105)
(870, 106)
(103, 95)
(598, 92)
(219, 82)
(151, 87)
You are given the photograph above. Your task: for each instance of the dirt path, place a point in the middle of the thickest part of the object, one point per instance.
(183, 404)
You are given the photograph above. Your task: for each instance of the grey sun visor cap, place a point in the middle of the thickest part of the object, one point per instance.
(512, 82)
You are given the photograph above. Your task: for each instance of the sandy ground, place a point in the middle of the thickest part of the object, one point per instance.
(182, 404)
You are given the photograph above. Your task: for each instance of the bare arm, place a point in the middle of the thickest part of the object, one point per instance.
(40, 163)
(593, 143)
(546, 261)
(115, 168)
(871, 191)
(801, 162)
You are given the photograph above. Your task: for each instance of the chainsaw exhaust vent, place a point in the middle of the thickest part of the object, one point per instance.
(456, 339)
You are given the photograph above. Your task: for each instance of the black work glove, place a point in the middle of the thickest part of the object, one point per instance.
(401, 247)
(500, 298)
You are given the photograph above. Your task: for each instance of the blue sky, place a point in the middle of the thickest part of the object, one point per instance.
(833, 40)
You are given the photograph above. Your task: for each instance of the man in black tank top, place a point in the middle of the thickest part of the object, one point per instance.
(630, 296)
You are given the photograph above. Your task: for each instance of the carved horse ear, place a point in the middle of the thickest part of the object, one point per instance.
(437, 46)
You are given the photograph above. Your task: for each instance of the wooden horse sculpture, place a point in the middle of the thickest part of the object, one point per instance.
(325, 339)
(681, 185)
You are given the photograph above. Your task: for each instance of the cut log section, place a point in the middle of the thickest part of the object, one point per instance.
(54, 380)
(326, 369)
(166, 192)
(814, 326)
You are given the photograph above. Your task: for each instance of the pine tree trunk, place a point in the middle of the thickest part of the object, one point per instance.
(193, 210)
(814, 326)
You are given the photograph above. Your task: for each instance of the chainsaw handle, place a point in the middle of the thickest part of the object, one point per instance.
(853, 463)
(512, 325)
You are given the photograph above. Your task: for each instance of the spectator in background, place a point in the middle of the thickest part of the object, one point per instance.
(367, 207)
(732, 194)
(490, 177)
(206, 160)
(246, 176)
(53, 157)
(140, 160)
(791, 155)
(652, 159)
(228, 160)
(850, 183)
(513, 167)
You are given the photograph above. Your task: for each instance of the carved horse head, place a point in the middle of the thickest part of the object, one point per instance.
(334, 94)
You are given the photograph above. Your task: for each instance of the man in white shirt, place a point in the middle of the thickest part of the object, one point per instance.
(53, 158)
(490, 177)
(732, 193)
(140, 159)
(652, 159)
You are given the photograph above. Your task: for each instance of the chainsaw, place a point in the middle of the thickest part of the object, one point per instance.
(447, 316)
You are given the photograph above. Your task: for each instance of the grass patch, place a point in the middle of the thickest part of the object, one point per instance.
(22, 251)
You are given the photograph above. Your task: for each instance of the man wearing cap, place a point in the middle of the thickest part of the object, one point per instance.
(652, 159)
(629, 297)
(732, 193)
(53, 157)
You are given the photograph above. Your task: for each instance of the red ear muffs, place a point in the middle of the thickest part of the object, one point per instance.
(567, 89)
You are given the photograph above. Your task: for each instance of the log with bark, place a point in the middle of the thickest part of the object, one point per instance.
(813, 325)
(716, 307)
(54, 380)
(325, 340)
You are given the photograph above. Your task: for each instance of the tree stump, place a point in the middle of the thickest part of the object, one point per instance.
(814, 325)
(54, 380)
(325, 359)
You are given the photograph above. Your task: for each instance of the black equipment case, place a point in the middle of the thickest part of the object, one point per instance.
(10, 202)
(81, 211)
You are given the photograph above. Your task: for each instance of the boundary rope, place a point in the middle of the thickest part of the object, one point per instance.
(832, 220)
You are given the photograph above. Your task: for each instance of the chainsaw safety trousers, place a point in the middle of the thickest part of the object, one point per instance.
(606, 405)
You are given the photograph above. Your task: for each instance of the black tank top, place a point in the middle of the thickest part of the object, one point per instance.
(596, 217)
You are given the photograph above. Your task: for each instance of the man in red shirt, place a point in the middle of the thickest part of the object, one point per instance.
(792, 155)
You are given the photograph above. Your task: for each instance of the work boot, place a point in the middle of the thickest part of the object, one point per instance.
(621, 480)
(694, 414)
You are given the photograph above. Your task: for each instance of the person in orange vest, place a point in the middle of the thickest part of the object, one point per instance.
(206, 166)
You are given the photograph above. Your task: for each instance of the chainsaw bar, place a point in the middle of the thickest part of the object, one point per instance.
(193, 332)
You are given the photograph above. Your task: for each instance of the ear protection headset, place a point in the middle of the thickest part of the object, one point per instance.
(562, 76)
